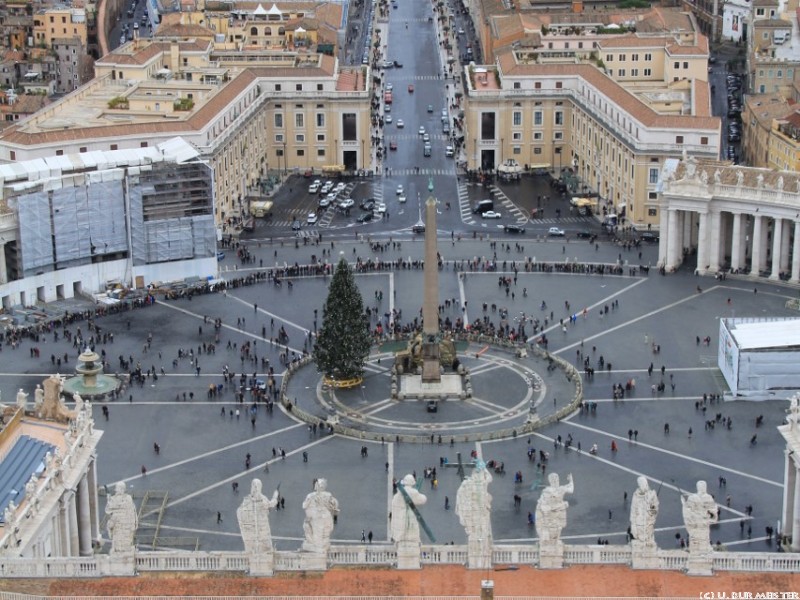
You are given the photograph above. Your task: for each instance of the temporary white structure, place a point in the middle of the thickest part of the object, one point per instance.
(759, 356)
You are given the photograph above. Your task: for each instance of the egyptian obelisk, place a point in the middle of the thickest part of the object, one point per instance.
(430, 306)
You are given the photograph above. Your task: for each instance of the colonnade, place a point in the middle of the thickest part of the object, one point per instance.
(753, 242)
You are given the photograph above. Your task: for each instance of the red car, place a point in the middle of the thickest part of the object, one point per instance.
(410, 89)
(392, 145)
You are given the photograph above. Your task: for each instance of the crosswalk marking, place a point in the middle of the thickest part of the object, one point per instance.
(426, 172)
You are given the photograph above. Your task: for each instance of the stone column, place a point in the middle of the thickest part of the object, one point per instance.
(796, 516)
(63, 516)
(777, 233)
(790, 482)
(408, 555)
(716, 223)
(663, 235)
(95, 512)
(72, 515)
(756, 253)
(786, 240)
(430, 303)
(702, 243)
(673, 244)
(84, 518)
(3, 267)
(736, 242)
(796, 254)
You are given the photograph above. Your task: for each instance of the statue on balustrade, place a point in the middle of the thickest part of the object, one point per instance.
(253, 516)
(22, 398)
(551, 509)
(474, 505)
(122, 520)
(699, 512)
(405, 527)
(644, 510)
(321, 509)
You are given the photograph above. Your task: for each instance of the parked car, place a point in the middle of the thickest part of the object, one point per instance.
(448, 151)
(556, 232)
(311, 219)
(490, 214)
(514, 229)
(585, 234)
(367, 204)
(365, 217)
(314, 187)
(649, 236)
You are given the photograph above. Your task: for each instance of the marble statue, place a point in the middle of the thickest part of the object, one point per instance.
(474, 504)
(691, 167)
(321, 508)
(22, 398)
(760, 181)
(76, 397)
(38, 398)
(717, 177)
(253, 516)
(473, 507)
(739, 178)
(30, 487)
(8, 513)
(644, 509)
(704, 177)
(779, 185)
(699, 512)
(405, 527)
(122, 520)
(53, 406)
(551, 509)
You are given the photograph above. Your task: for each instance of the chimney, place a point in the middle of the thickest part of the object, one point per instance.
(577, 6)
(487, 589)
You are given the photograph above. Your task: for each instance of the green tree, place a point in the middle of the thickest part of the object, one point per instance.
(343, 342)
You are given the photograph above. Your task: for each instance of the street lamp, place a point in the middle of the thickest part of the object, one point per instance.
(284, 158)
(363, 156)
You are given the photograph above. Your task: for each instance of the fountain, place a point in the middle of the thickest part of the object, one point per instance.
(90, 381)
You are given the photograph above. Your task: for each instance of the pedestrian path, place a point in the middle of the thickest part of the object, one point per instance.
(501, 198)
(463, 203)
(556, 221)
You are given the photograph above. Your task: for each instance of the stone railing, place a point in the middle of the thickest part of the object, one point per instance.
(104, 565)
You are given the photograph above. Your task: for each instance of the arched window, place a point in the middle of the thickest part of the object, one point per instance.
(254, 31)
(267, 30)
(281, 31)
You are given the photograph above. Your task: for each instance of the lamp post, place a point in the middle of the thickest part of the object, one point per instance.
(363, 156)
(285, 166)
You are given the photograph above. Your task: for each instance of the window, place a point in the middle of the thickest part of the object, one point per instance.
(685, 65)
(299, 120)
(558, 135)
(759, 12)
(678, 139)
(349, 127)
(634, 72)
(517, 85)
(253, 31)
(488, 128)
(298, 87)
(652, 195)
(516, 150)
(580, 44)
(300, 138)
(537, 117)
(676, 65)
(537, 150)
(301, 152)
(320, 151)
(559, 85)
(648, 72)
(622, 57)
(517, 118)
(143, 144)
(538, 135)
(635, 57)
(319, 87)
(652, 212)
(653, 176)
(537, 85)
(704, 141)
(277, 87)
(279, 152)
(58, 153)
(320, 119)
(780, 74)
(320, 137)
(279, 120)
(113, 147)
(558, 117)
(609, 58)
(622, 72)
(279, 137)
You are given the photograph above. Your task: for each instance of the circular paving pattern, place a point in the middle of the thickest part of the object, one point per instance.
(509, 394)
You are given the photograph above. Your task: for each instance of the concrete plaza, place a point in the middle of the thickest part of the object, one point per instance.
(203, 447)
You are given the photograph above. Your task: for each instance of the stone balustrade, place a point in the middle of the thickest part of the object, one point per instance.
(103, 565)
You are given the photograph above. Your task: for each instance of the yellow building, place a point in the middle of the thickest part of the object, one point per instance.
(784, 143)
(59, 24)
(758, 113)
(613, 138)
(249, 114)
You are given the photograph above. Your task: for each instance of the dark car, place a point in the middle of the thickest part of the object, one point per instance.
(398, 64)
(367, 204)
(514, 229)
(649, 236)
(433, 406)
(365, 217)
(296, 225)
(418, 228)
(585, 234)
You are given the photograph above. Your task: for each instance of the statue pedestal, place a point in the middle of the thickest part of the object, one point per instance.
(644, 556)
(700, 563)
(479, 555)
(314, 561)
(408, 555)
(551, 554)
(262, 564)
(118, 564)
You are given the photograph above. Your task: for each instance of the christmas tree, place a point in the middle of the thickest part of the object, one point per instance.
(343, 341)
